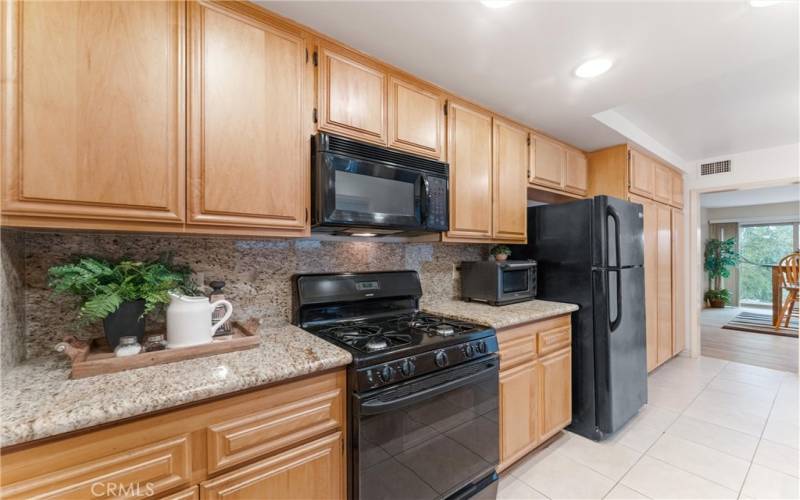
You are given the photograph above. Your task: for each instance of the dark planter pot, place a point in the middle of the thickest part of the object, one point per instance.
(126, 321)
(719, 304)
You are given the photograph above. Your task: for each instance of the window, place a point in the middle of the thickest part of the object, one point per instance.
(762, 246)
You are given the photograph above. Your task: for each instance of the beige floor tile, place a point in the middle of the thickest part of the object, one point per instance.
(714, 436)
(763, 483)
(733, 418)
(622, 492)
(561, 477)
(753, 375)
(638, 437)
(670, 397)
(758, 405)
(606, 457)
(782, 431)
(703, 461)
(776, 456)
(741, 389)
(658, 479)
(511, 488)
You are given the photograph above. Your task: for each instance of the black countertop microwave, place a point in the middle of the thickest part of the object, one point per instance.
(498, 283)
(360, 189)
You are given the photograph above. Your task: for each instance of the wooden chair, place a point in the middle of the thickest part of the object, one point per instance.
(790, 273)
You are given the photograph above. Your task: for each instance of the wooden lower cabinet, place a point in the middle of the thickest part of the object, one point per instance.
(282, 441)
(535, 385)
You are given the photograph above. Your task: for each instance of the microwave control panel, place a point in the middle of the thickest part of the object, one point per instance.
(437, 219)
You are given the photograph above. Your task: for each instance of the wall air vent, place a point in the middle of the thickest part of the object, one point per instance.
(718, 167)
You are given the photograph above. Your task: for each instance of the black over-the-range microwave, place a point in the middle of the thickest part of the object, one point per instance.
(360, 189)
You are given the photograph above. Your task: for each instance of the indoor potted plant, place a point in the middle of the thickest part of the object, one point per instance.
(500, 252)
(121, 293)
(720, 256)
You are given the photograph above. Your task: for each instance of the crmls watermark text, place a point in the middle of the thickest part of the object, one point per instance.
(123, 490)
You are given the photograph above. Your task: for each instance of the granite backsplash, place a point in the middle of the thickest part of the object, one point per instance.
(257, 272)
(12, 297)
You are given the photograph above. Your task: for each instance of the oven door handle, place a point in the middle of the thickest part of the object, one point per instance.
(374, 405)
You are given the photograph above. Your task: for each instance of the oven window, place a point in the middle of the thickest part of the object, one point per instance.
(515, 281)
(368, 194)
(432, 447)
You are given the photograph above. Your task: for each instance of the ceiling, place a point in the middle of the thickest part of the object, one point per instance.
(749, 197)
(698, 79)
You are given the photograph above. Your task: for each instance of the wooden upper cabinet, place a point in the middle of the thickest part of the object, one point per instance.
(576, 178)
(662, 190)
(677, 189)
(469, 151)
(248, 155)
(416, 118)
(352, 95)
(510, 209)
(93, 118)
(641, 174)
(548, 162)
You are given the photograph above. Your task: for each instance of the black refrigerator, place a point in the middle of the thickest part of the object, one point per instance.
(591, 253)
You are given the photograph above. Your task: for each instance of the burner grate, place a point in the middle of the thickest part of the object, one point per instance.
(366, 337)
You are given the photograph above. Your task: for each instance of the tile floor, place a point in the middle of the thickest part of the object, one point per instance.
(712, 429)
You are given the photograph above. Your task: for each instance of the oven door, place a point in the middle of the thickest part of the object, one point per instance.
(515, 281)
(430, 437)
(354, 192)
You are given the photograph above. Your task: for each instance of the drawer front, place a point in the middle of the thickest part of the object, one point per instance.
(138, 472)
(553, 340)
(240, 439)
(517, 345)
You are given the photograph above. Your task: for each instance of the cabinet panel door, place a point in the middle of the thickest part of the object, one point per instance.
(650, 278)
(548, 160)
(677, 190)
(416, 118)
(662, 190)
(248, 161)
(576, 176)
(93, 125)
(519, 411)
(664, 283)
(510, 205)
(313, 471)
(556, 383)
(641, 174)
(469, 151)
(352, 95)
(679, 333)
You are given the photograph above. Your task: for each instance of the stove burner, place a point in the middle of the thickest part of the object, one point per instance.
(376, 344)
(445, 330)
(367, 337)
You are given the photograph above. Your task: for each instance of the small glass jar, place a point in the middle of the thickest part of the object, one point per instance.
(128, 346)
(154, 342)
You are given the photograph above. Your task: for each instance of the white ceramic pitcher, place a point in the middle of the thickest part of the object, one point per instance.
(189, 320)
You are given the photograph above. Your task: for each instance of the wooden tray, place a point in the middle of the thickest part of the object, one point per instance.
(97, 358)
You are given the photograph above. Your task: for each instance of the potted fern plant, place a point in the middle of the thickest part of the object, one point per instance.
(720, 256)
(500, 252)
(120, 293)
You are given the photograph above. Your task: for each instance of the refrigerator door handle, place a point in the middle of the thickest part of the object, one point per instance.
(613, 324)
(612, 214)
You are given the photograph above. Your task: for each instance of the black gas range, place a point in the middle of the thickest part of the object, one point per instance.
(423, 388)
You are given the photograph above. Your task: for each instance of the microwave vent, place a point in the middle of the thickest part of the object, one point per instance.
(717, 167)
(353, 148)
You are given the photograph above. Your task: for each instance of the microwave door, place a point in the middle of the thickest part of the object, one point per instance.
(364, 193)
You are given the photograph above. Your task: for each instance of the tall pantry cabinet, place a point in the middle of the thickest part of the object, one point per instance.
(627, 173)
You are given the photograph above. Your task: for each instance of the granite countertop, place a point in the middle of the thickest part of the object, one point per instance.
(497, 316)
(38, 400)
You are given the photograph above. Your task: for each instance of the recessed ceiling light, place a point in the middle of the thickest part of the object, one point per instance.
(496, 4)
(364, 235)
(593, 67)
(764, 3)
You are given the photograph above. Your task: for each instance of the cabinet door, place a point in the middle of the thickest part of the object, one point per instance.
(416, 118)
(679, 333)
(93, 125)
(519, 411)
(510, 197)
(662, 190)
(556, 383)
(352, 95)
(576, 176)
(664, 266)
(469, 151)
(310, 471)
(248, 160)
(640, 174)
(677, 190)
(650, 223)
(548, 160)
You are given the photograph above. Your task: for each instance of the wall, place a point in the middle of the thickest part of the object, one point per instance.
(757, 167)
(257, 273)
(772, 212)
(12, 298)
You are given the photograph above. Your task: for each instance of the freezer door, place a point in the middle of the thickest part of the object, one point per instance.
(620, 353)
(618, 239)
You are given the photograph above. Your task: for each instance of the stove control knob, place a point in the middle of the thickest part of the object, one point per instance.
(370, 378)
(482, 347)
(386, 373)
(407, 368)
(469, 351)
(441, 359)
